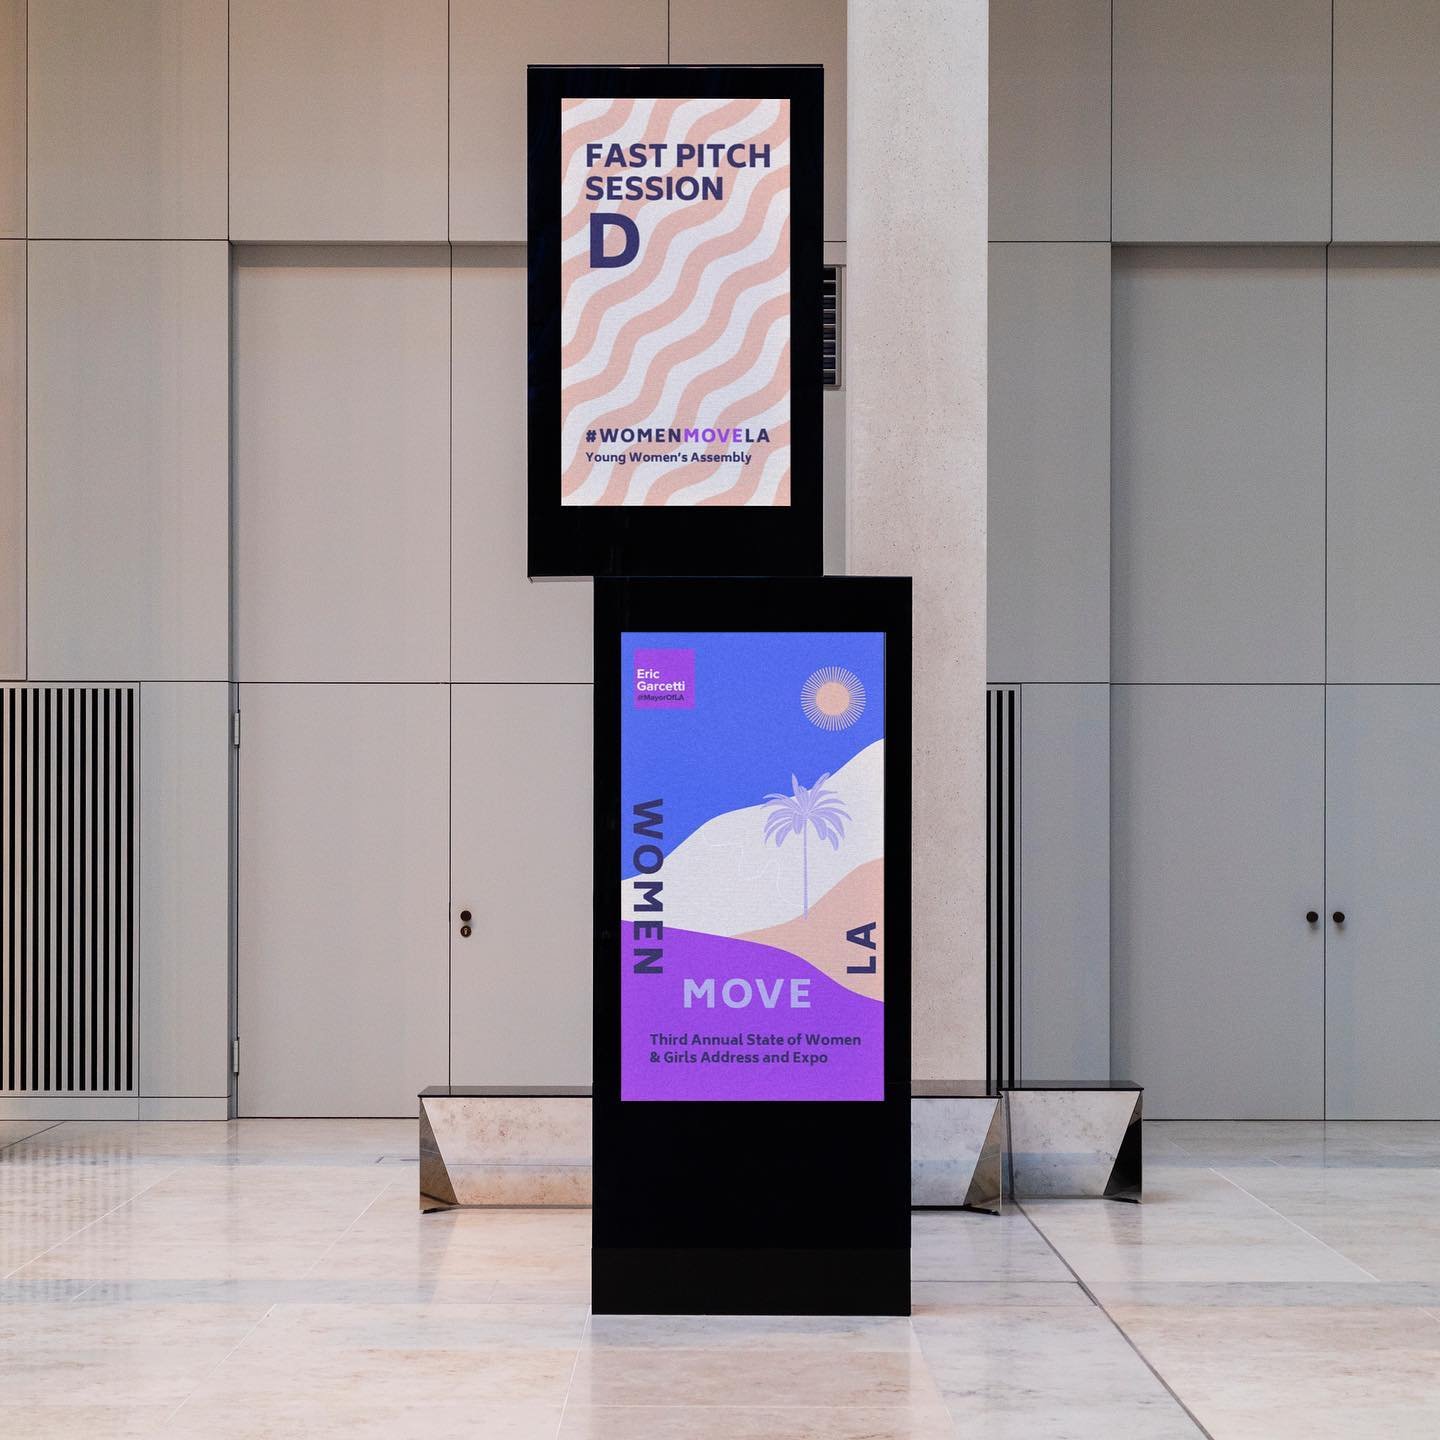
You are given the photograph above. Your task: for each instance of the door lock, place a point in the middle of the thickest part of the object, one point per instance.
(464, 924)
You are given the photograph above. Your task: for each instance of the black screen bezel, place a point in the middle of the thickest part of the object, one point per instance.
(568, 541)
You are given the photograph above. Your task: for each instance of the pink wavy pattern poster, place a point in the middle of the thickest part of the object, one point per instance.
(675, 302)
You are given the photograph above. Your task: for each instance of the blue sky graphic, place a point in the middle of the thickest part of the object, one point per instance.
(747, 732)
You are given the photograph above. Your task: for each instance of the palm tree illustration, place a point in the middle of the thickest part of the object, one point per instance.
(796, 813)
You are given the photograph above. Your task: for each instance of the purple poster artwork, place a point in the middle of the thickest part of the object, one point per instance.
(752, 881)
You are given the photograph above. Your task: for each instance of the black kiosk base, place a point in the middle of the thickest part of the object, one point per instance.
(750, 1282)
(752, 947)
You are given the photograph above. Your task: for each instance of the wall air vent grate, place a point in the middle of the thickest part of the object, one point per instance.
(69, 766)
(830, 322)
(1002, 884)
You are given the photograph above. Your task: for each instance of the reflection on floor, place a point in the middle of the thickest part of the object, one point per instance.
(274, 1279)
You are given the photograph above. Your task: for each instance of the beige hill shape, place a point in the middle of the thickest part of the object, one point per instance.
(820, 937)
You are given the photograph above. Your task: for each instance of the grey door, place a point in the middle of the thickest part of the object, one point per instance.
(1217, 813)
(1382, 823)
(342, 959)
(520, 858)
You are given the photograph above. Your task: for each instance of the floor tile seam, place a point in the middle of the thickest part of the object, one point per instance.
(952, 1418)
(574, 1367)
(759, 1406)
(34, 1135)
(759, 1347)
(1295, 1225)
(1174, 1145)
(365, 1210)
(1064, 1285)
(918, 1346)
(1119, 1328)
(75, 1234)
(223, 1360)
(800, 1406)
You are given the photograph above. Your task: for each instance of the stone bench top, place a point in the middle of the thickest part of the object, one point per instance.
(919, 1090)
(508, 1092)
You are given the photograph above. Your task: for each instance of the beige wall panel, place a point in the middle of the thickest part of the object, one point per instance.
(1050, 119)
(128, 460)
(338, 124)
(1222, 120)
(127, 119)
(342, 463)
(505, 626)
(184, 990)
(1049, 493)
(1218, 467)
(343, 975)
(12, 117)
(521, 1002)
(12, 459)
(759, 32)
(1382, 535)
(490, 46)
(1064, 883)
(915, 473)
(1387, 120)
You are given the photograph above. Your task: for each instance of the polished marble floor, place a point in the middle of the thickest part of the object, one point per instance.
(274, 1279)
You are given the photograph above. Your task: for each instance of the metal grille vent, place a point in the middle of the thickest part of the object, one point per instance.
(830, 323)
(1002, 876)
(68, 851)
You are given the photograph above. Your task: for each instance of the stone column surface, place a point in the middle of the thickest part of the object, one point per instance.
(915, 367)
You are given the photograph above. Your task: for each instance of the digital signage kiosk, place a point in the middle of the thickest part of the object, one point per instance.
(675, 334)
(752, 966)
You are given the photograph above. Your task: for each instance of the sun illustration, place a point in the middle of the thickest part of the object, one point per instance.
(833, 698)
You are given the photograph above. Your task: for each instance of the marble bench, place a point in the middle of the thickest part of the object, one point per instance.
(489, 1145)
(970, 1147)
(1069, 1140)
(957, 1145)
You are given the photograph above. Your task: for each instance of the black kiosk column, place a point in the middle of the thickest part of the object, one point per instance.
(752, 946)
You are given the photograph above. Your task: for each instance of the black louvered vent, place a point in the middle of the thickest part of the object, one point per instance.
(1002, 895)
(68, 774)
(830, 319)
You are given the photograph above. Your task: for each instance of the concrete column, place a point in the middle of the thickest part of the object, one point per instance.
(915, 352)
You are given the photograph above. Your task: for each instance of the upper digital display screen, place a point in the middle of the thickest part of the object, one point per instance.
(675, 287)
(752, 865)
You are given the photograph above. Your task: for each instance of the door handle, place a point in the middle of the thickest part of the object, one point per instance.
(1338, 917)
(1312, 916)
(464, 924)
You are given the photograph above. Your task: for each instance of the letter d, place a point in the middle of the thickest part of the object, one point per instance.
(599, 260)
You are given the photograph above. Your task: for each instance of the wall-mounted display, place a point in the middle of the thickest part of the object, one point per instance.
(752, 975)
(675, 339)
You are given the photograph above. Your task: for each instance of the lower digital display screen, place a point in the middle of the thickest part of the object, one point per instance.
(752, 880)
